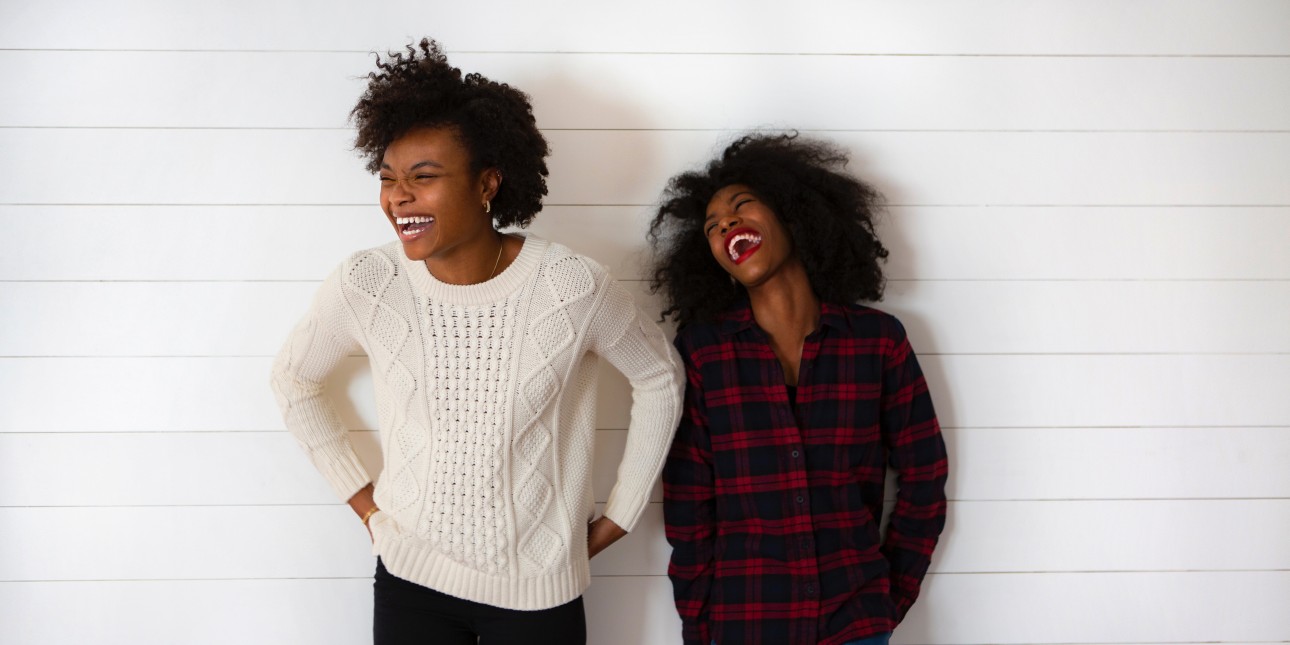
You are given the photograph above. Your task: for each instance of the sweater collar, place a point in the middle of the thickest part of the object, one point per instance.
(496, 288)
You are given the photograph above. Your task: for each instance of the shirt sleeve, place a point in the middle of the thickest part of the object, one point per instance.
(652, 367)
(689, 511)
(917, 453)
(312, 351)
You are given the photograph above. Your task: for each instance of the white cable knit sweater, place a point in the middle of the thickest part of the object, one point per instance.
(486, 400)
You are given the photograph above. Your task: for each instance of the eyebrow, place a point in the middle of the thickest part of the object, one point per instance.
(732, 198)
(419, 164)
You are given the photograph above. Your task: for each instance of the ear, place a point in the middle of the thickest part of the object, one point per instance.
(490, 181)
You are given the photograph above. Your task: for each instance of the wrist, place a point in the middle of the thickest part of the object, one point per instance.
(368, 515)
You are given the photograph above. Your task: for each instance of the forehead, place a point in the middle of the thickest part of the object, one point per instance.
(440, 144)
(723, 197)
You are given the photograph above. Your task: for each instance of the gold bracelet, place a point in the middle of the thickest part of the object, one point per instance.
(368, 515)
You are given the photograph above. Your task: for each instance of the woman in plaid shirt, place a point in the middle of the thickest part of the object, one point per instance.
(797, 401)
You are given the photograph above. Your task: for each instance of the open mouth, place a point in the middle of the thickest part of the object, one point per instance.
(410, 227)
(741, 243)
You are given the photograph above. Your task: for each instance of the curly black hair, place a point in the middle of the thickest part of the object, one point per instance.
(829, 214)
(494, 121)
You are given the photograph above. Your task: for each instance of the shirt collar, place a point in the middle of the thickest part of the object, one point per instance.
(740, 317)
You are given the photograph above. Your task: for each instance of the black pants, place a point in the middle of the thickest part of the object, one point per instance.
(408, 614)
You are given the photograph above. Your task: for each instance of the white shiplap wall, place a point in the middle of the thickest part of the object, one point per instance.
(1089, 220)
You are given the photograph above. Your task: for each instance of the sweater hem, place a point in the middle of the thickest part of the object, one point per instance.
(417, 561)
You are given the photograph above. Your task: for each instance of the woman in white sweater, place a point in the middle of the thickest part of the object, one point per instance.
(483, 351)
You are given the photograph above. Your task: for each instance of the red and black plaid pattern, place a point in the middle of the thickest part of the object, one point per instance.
(773, 516)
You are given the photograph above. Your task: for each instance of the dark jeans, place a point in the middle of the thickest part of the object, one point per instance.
(409, 614)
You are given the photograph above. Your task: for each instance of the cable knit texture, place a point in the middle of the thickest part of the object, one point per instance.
(486, 405)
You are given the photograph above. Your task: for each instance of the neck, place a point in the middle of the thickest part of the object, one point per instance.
(472, 263)
(785, 306)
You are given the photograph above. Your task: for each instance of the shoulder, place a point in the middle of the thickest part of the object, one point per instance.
(701, 342)
(383, 261)
(560, 260)
(870, 322)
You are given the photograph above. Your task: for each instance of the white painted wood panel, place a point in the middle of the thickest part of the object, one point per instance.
(329, 542)
(178, 468)
(631, 91)
(926, 242)
(1008, 135)
(254, 318)
(1084, 391)
(1118, 463)
(261, 242)
(151, 166)
(1100, 608)
(978, 391)
(199, 468)
(236, 542)
(1132, 608)
(193, 612)
(1178, 27)
(1087, 243)
(194, 394)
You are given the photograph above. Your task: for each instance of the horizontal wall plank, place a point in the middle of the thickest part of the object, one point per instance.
(195, 612)
(1118, 463)
(1073, 243)
(956, 168)
(198, 468)
(978, 391)
(926, 242)
(1176, 608)
(1115, 391)
(1078, 317)
(265, 242)
(657, 91)
(197, 394)
(1129, 607)
(1194, 27)
(980, 537)
(267, 468)
(254, 318)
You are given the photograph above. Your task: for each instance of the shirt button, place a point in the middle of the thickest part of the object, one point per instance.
(800, 499)
(810, 590)
(795, 454)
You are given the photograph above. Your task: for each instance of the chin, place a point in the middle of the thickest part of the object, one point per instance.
(415, 252)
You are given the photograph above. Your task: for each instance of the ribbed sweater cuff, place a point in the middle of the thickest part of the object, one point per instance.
(344, 472)
(625, 510)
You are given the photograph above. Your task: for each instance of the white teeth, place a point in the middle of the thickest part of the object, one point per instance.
(730, 243)
(412, 220)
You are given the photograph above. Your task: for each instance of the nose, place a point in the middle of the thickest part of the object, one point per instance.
(728, 223)
(399, 193)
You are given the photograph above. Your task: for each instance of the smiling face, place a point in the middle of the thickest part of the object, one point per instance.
(746, 237)
(431, 196)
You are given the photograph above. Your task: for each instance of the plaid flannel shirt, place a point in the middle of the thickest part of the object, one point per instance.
(773, 512)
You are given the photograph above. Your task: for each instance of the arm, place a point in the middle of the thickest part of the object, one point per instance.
(638, 349)
(917, 453)
(314, 349)
(689, 513)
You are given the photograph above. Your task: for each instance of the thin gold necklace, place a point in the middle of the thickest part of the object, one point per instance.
(501, 244)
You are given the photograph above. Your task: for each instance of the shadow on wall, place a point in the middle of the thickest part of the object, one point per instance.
(917, 626)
